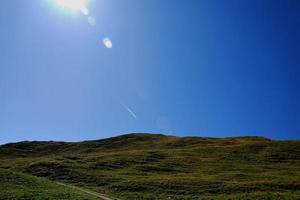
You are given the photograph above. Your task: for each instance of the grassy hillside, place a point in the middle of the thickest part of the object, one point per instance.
(143, 166)
(20, 186)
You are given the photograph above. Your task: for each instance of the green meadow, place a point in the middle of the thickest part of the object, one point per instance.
(21, 186)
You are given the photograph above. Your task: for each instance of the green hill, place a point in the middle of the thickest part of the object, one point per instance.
(145, 166)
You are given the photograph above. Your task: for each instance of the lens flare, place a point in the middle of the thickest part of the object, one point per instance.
(107, 43)
(92, 21)
(81, 7)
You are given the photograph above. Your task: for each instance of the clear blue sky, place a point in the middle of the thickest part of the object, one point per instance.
(211, 68)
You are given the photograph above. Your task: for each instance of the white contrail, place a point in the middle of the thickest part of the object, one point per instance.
(130, 111)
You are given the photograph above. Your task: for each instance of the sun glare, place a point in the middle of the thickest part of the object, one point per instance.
(73, 5)
(80, 6)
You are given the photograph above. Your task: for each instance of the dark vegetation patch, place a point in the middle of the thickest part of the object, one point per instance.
(49, 169)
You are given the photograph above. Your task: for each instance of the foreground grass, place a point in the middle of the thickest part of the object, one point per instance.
(142, 166)
(24, 187)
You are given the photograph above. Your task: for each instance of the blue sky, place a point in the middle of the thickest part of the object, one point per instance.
(191, 68)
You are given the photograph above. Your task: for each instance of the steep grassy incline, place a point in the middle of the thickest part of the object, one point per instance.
(144, 166)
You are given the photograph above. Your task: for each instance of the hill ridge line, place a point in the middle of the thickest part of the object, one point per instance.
(146, 134)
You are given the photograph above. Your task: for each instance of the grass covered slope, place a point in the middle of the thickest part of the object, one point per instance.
(144, 166)
(20, 186)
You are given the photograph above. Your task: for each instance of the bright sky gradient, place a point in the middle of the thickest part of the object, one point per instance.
(213, 68)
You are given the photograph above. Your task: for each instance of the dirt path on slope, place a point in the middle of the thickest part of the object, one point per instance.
(95, 194)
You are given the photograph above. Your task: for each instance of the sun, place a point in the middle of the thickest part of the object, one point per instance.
(73, 5)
